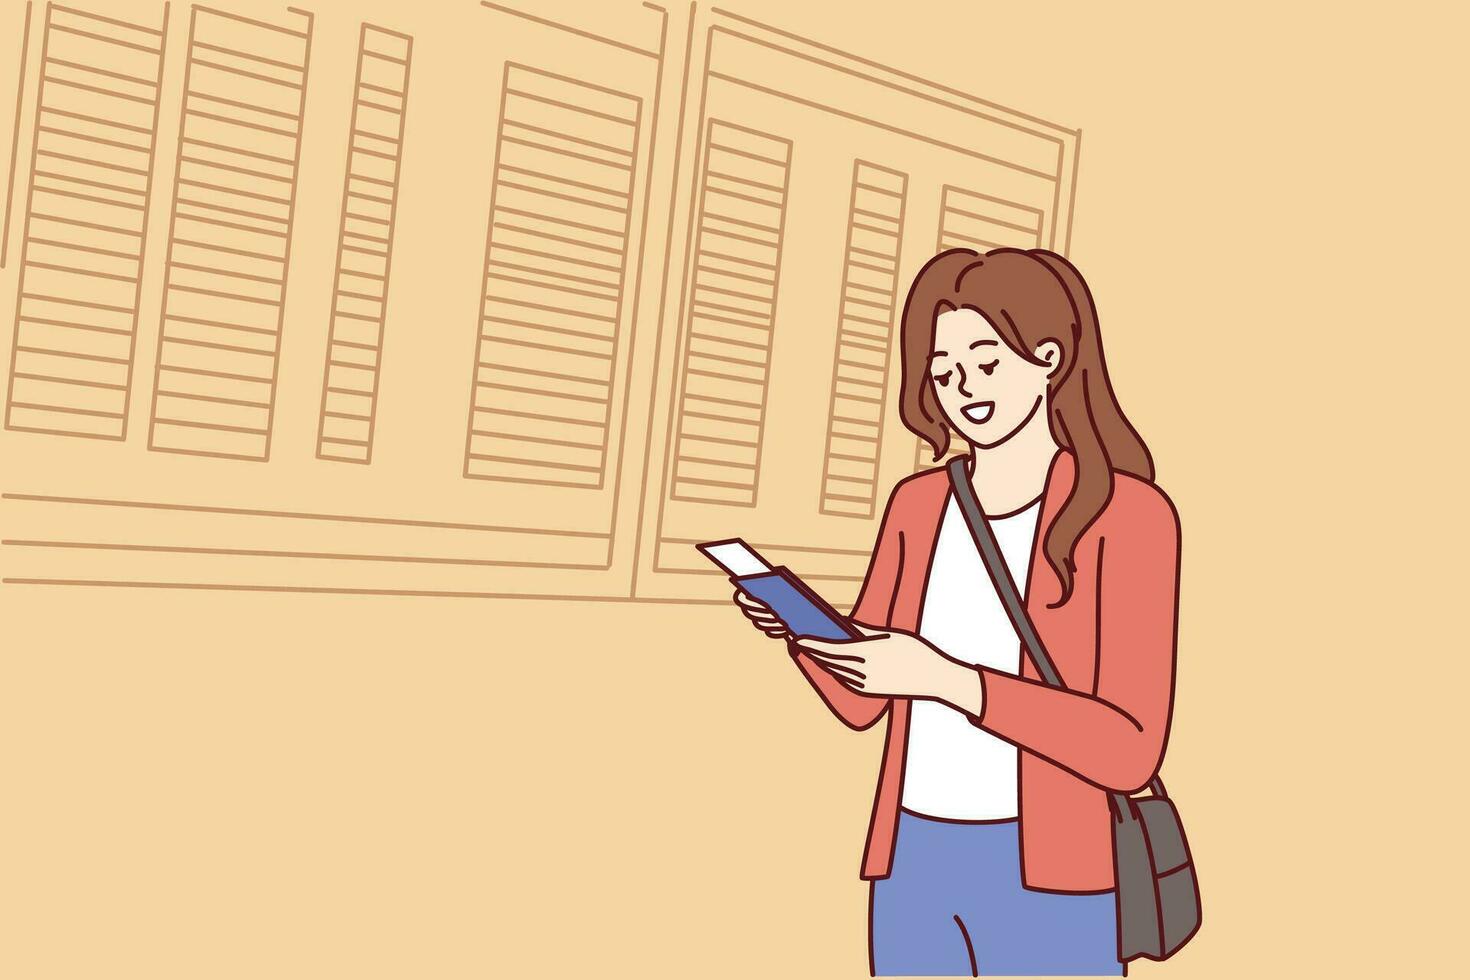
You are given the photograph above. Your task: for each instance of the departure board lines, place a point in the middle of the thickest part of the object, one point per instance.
(365, 247)
(864, 340)
(85, 225)
(229, 245)
(555, 271)
(732, 314)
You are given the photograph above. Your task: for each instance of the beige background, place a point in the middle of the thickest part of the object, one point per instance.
(1268, 209)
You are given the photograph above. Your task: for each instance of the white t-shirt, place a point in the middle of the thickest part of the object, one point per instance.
(954, 769)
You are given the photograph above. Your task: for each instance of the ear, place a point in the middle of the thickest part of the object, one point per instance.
(1049, 352)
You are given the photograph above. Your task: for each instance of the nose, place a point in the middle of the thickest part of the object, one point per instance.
(963, 377)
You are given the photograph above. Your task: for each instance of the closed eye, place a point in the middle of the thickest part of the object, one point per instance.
(943, 379)
(989, 368)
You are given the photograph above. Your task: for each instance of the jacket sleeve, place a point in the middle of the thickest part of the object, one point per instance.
(874, 608)
(1114, 737)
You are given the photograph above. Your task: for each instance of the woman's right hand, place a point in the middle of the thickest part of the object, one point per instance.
(761, 615)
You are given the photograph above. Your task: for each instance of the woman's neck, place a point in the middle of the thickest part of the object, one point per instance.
(1012, 474)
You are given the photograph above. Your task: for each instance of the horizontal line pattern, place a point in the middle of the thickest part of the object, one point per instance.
(555, 267)
(860, 365)
(369, 210)
(229, 237)
(86, 222)
(970, 219)
(732, 314)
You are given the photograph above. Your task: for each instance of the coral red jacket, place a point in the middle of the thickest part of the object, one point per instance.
(1113, 643)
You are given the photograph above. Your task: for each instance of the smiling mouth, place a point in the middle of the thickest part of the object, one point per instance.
(979, 411)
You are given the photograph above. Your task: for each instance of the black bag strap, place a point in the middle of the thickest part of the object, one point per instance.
(1010, 597)
(1000, 575)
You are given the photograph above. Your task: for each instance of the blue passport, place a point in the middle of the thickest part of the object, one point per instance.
(799, 608)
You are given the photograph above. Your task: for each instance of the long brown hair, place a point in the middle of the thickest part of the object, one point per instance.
(1029, 296)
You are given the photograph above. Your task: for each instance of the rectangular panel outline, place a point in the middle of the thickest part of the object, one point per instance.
(606, 535)
(359, 100)
(658, 501)
(683, 370)
(285, 261)
(619, 326)
(887, 350)
(141, 235)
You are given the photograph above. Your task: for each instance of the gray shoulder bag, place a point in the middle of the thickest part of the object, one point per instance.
(1158, 894)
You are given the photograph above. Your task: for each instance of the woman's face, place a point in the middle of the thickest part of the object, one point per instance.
(987, 391)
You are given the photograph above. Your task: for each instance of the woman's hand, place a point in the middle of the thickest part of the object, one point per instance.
(897, 664)
(761, 616)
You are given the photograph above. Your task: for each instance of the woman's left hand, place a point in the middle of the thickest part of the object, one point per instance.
(896, 664)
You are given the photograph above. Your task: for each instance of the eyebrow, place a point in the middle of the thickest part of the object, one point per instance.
(982, 343)
(938, 353)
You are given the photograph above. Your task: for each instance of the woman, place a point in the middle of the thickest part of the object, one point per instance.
(990, 848)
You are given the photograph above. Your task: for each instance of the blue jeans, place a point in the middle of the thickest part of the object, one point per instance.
(954, 906)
